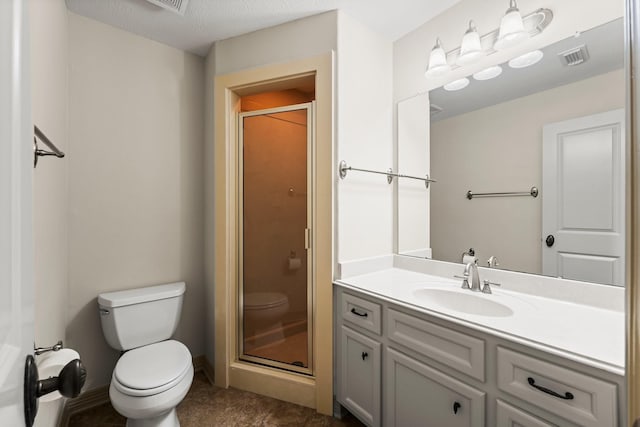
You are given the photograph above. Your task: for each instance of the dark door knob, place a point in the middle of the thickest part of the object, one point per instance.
(69, 382)
(550, 240)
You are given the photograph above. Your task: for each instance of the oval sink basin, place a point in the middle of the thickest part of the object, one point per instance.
(464, 302)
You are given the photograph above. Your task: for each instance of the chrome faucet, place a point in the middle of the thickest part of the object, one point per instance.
(471, 269)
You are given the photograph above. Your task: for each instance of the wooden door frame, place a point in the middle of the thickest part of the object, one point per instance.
(316, 391)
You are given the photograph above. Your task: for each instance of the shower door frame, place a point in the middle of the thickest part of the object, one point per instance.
(308, 233)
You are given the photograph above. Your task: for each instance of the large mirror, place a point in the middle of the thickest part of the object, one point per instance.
(558, 126)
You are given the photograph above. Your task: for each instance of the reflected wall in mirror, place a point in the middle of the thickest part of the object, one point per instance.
(552, 125)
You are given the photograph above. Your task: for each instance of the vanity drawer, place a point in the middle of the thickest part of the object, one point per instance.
(361, 312)
(458, 351)
(578, 397)
(510, 416)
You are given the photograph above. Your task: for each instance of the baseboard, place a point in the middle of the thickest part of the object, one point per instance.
(100, 396)
(87, 400)
(200, 363)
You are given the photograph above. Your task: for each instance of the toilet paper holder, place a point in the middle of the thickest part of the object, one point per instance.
(41, 350)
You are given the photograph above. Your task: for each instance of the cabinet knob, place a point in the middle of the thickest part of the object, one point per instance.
(364, 355)
(456, 407)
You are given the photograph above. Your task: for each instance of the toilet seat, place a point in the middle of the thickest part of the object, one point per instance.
(264, 300)
(152, 369)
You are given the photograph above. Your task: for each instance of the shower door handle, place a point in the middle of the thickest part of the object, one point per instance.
(307, 238)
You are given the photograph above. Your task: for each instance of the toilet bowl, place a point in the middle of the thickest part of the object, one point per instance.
(149, 382)
(154, 374)
(263, 314)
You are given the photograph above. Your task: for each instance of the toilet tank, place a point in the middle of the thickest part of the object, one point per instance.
(141, 316)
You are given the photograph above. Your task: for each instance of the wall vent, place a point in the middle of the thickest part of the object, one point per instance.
(434, 109)
(574, 56)
(177, 6)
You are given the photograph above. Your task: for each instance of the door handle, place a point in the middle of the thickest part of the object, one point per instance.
(69, 383)
(550, 240)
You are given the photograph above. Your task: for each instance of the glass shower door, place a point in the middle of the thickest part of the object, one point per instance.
(275, 271)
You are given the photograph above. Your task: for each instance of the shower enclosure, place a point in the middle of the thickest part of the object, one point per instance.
(275, 271)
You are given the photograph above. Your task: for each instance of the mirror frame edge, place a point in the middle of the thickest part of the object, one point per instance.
(632, 55)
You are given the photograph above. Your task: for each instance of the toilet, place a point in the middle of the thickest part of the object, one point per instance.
(263, 313)
(154, 374)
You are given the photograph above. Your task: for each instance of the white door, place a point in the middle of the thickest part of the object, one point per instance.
(583, 198)
(16, 166)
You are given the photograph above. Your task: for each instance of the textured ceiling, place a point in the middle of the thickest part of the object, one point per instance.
(206, 21)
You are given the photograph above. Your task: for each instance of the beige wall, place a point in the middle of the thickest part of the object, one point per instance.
(135, 180)
(297, 39)
(499, 148)
(49, 90)
(364, 140)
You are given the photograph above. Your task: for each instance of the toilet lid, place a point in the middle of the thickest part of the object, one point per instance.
(264, 299)
(153, 365)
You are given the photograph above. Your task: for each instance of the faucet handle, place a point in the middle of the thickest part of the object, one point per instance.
(465, 281)
(486, 288)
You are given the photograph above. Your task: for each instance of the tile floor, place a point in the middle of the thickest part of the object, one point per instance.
(210, 406)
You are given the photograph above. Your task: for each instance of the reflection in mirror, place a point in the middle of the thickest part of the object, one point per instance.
(557, 125)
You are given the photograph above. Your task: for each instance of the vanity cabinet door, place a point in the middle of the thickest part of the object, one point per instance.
(418, 395)
(359, 377)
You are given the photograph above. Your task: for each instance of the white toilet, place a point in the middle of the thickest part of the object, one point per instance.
(155, 373)
(263, 312)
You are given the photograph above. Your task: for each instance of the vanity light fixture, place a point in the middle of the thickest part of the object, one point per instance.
(512, 30)
(471, 47)
(437, 61)
(526, 60)
(456, 84)
(488, 73)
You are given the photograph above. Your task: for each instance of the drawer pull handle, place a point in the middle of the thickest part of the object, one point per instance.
(364, 355)
(456, 407)
(357, 313)
(567, 395)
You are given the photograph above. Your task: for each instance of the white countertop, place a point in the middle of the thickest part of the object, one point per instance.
(586, 334)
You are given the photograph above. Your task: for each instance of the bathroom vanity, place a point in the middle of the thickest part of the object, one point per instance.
(416, 349)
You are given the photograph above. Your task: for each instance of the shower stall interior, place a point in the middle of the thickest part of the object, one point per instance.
(275, 272)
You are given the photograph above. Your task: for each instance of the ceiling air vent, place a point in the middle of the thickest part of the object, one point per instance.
(574, 56)
(434, 109)
(177, 6)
